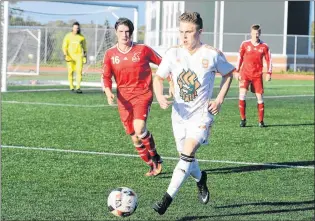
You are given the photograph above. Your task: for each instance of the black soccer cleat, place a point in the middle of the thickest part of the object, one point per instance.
(262, 124)
(72, 90)
(204, 194)
(243, 123)
(161, 207)
(79, 91)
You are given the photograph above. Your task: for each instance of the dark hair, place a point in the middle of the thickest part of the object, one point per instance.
(78, 24)
(256, 27)
(192, 17)
(126, 22)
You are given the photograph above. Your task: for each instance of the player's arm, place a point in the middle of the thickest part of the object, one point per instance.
(226, 70)
(240, 60)
(269, 63)
(155, 58)
(84, 47)
(65, 45)
(107, 79)
(162, 72)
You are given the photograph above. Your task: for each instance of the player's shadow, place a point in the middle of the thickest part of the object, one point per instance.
(267, 204)
(263, 212)
(268, 166)
(290, 125)
(250, 168)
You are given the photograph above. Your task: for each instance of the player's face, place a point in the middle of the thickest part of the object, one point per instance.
(75, 29)
(255, 34)
(123, 34)
(189, 35)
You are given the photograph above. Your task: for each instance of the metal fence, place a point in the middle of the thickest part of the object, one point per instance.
(297, 49)
(21, 44)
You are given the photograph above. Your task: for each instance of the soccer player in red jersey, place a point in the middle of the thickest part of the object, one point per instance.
(249, 72)
(128, 62)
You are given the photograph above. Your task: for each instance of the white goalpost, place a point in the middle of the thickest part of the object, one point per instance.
(32, 41)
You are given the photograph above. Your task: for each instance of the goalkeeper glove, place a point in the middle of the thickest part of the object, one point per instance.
(68, 58)
(84, 60)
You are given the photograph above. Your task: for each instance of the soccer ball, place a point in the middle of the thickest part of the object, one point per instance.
(30, 56)
(122, 201)
(92, 58)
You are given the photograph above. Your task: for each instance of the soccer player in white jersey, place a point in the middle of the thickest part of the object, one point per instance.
(193, 67)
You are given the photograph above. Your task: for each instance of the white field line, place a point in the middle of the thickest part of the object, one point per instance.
(106, 105)
(168, 158)
(49, 90)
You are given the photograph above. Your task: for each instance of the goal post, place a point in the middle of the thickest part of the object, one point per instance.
(24, 53)
(4, 27)
(32, 40)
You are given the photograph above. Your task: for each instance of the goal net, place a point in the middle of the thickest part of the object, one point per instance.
(35, 36)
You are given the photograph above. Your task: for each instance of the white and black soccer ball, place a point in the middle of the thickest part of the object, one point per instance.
(122, 201)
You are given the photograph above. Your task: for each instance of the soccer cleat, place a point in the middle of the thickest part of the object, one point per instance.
(161, 207)
(72, 90)
(157, 162)
(79, 91)
(261, 124)
(204, 194)
(243, 123)
(151, 172)
(157, 168)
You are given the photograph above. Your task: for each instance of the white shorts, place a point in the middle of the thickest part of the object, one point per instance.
(196, 127)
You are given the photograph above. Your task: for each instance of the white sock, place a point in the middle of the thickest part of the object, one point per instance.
(195, 171)
(180, 174)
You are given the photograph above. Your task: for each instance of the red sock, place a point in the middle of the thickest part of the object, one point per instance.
(261, 111)
(242, 108)
(149, 144)
(144, 154)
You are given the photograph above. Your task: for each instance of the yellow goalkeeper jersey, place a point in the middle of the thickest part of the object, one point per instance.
(74, 44)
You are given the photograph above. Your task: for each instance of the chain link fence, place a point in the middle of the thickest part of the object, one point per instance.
(296, 50)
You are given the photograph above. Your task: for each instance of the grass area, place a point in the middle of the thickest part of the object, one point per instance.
(42, 185)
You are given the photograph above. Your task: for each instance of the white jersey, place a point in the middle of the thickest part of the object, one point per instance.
(193, 76)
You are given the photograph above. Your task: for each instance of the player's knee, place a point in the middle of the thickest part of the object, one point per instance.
(141, 132)
(260, 98)
(140, 128)
(242, 97)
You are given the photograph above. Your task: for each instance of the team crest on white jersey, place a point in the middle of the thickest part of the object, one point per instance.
(135, 57)
(188, 84)
(205, 63)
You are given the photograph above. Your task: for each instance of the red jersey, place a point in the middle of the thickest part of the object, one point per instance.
(130, 69)
(250, 61)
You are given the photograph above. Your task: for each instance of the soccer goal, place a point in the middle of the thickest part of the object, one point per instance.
(32, 40)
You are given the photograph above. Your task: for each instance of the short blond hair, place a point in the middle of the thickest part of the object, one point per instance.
(192, 17)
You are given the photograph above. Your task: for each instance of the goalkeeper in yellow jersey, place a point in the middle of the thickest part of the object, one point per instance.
(74, 50)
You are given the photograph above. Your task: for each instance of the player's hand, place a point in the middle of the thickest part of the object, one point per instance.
(268, 77)
(214, 107)
(237, 76)
(171, 91)
(164, 103)
(110, 98)
(84, 60)
(68, 58)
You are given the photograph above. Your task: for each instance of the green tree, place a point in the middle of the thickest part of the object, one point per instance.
(141, 34)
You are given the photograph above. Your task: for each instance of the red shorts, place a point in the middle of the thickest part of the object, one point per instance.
(136, 108)
(255, 83)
